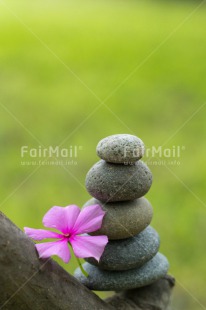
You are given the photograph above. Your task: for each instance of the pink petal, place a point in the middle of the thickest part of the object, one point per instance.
(89, 246)
(61, 218)
(89, 219)
(59, 248)
(40, 234)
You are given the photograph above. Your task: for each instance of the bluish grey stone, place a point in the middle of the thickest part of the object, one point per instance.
(123, 219)
(112, 182)
(129, 253)
(121, 148)
(102, 280)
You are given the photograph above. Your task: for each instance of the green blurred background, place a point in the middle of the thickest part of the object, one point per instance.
(59, 61)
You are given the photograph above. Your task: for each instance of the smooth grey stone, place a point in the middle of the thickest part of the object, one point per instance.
(129, 253)
(111, 182)
(102, 280)
(119, 149)
(123, 219)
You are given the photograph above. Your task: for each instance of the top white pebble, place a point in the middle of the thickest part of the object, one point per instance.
(121, 149)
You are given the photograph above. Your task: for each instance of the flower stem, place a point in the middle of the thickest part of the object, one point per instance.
(82, 269)
(79, 263)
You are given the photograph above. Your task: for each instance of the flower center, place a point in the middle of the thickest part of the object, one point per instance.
(67, 235)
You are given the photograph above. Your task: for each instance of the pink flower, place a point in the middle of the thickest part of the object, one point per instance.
(71, 221)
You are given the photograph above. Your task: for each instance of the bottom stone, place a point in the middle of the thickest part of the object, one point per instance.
(102, 280)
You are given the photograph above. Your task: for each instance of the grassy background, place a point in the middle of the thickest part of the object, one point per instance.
(58, 61)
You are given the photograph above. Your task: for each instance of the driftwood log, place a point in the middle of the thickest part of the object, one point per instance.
(28, 283)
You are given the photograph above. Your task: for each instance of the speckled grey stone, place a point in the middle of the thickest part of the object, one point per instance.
(129, 253)
(123, 219)
(112, 182)
(102, 280)
(120, 148)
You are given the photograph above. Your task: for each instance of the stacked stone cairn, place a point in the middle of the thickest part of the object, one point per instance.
(118, 183)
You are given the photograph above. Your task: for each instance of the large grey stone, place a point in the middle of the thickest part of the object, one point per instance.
(121, 148)
(102, 280)
(123, 219)
(112, 182)
(129, 253)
